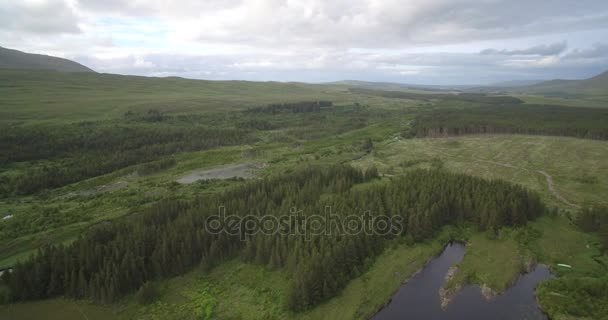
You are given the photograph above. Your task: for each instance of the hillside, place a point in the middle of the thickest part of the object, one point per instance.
(394, 86)
(597, 85)
(515, 83)
(14, 59)
(44, 94)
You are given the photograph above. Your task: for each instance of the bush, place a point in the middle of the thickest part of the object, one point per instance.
(147, 293)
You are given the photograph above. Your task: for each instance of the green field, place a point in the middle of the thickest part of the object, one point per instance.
(112, 134)
(576, 166)
(42, 95)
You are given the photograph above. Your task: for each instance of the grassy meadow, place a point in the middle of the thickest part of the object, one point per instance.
(577, 166)
(362, 130)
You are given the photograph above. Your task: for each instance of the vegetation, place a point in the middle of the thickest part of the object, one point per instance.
(595, 219)
(294, 107)
(147, 293)
(14, 59)
(514, 158)
(63, 97)
(93, 150)
(91, 208)
(520, 119)
(595, 86)
(583, 297)
(491, 260)
(462, 97)
(578, 291)
(114, 259)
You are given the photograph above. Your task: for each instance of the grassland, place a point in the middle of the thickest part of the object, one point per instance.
(576, 169)
(577, 166)
(493, 263)
(47, 95)
(585, 101)
(236, 290)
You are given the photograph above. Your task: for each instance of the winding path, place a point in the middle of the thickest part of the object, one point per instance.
(547, 176)
(554, 192)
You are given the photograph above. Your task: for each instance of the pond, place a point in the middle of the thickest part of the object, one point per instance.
(225, 172)
(419, 297)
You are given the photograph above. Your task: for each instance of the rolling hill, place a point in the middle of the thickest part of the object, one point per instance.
(597, 85)
(47, 94)
(14, 59)
(394, 86)
(559, 88)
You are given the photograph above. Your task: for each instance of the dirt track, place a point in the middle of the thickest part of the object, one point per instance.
(547, 176)
(554, 192)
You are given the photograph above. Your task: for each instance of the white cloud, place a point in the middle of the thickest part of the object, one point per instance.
(542, 50)
(317, 40)
(38, 17)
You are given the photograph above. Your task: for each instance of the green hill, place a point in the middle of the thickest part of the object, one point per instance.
(45, 94)
(597, 85)
(14, 59)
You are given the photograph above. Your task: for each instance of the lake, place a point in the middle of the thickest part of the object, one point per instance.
(419, 297)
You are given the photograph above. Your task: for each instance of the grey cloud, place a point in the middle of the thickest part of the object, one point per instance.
(541, 50)
(46, 17)
(317, 40)
(155, 8)
(364, 23)
(599, 50)
(318, 66)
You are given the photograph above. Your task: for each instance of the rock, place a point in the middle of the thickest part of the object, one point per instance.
(530, 264)
(487, 292)
(447, 294)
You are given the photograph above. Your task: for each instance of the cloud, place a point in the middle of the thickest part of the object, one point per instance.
(433, 41)
(38, 17)
(599, 50)
(359, 23)
(540, 50)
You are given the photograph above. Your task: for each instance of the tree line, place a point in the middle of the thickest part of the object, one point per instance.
(293, 107)
(83, 151)
(462, 97)
(594, 220)
(116, 258)
(584, 123)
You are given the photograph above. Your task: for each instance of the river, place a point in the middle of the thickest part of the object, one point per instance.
(419, 297)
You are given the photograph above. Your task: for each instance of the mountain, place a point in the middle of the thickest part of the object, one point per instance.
(14, 59)
(393, 86)
(597, 85)
(515, 83)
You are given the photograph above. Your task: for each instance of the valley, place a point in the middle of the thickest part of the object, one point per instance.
(143, 160)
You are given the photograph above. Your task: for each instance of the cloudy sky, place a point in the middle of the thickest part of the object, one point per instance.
(411, 41)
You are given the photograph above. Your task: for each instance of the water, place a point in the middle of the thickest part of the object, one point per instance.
(419, 297)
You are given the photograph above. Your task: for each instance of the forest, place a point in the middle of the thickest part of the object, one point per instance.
(595, 220)
(94, 212)
(460, 97)
(118, 257)
(294, 107)
(586, 123)
(88, 150)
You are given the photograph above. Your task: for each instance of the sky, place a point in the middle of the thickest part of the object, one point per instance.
(441, 42)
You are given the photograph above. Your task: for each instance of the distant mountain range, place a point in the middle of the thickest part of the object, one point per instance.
(14, 59)
(394, 86)
(515, 83)
(598, 85)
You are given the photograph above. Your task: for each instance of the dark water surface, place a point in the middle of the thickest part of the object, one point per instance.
(419, 297)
